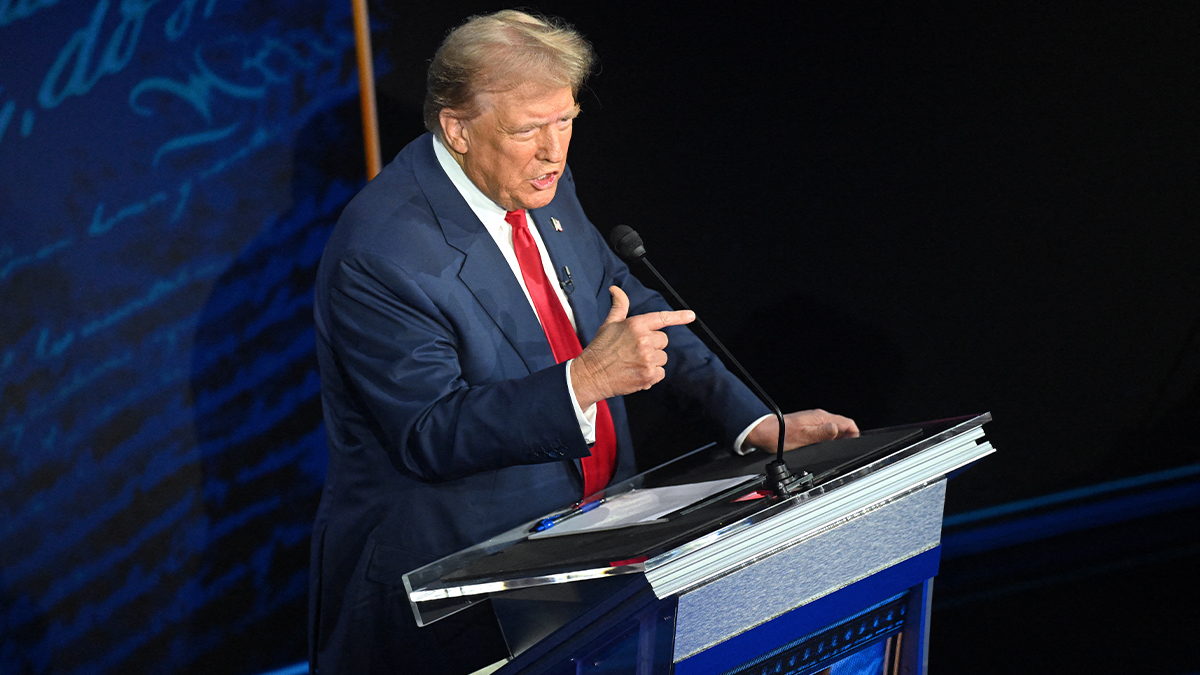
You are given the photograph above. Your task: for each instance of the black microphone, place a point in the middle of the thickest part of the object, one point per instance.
(626, 242)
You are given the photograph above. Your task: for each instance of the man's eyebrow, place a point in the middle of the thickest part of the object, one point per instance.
(529, 126)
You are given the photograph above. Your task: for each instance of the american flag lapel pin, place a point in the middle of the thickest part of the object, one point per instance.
(557, 225)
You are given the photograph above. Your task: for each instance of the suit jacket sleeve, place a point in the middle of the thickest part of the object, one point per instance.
(400, 353)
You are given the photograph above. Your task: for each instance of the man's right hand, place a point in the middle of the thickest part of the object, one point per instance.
(627, 354)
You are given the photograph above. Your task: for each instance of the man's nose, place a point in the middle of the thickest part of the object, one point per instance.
(550, 147)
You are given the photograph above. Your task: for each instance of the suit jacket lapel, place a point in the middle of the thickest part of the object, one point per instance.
(485, 272)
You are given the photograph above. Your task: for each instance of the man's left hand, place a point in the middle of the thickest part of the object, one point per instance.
(804, 427)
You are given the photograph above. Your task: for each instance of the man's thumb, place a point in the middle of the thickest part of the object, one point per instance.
(620, 305)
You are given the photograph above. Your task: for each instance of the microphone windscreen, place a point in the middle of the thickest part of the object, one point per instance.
(626, 242)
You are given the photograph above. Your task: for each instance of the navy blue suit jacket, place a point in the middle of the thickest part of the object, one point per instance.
(447, 417)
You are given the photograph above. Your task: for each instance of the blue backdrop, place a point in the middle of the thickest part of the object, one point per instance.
(171, 171)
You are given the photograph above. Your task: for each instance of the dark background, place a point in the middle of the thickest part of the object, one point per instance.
(905, 214)
(897, 213)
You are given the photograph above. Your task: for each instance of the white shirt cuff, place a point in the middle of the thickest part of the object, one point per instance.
(587, 419)
(739, 446)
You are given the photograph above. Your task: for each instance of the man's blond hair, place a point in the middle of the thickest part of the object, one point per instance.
(501, 51)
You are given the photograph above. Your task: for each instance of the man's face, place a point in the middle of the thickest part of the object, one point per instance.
(516, 148)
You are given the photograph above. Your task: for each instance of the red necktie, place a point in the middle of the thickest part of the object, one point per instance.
(564, 343)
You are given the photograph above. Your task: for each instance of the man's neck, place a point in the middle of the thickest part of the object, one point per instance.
(451, 163)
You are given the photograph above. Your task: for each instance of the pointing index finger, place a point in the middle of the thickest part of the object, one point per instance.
(676, 318)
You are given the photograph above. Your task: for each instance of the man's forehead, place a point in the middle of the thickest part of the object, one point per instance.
(530, 103)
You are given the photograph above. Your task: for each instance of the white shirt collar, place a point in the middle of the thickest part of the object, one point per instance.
(491, 215)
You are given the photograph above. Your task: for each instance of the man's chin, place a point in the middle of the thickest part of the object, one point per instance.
(538, 198)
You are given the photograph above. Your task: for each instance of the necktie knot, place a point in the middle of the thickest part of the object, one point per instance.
(516, 218)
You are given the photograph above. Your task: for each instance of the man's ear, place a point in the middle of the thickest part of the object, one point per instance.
(454, 130)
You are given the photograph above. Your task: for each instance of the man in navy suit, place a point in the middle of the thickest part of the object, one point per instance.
(454, 408)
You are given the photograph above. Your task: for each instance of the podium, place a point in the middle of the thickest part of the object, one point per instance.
(838, 576)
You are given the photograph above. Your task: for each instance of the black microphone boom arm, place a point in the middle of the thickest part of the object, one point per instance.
(628, 245)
